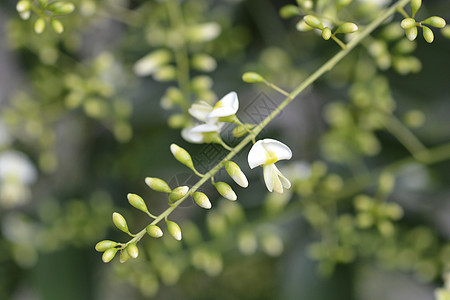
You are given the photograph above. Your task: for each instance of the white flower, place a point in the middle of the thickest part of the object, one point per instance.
(266, 153)
(200, 110)
(14, 164)
(225, 107)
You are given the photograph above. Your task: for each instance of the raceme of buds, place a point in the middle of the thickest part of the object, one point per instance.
(313, 21)
(133, 250)
(236, 173)
(174, 230)
(178, 193)
(109, 254)
(154, 231)
(120, 222)
(202, 200)
(252, 77)
(182, 156)
(225, 190)
(158, 185)
(137, 202)
(105, 245)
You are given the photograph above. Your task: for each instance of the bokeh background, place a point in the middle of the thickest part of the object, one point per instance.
(80, 129)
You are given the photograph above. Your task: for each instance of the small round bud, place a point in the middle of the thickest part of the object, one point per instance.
(411, 33)
(61, 8)
(236, 174)
(154, 231)
(428, 34)
(386, 183)
(252, 77)
(347, 28)
(57, 26)
(289, 11)
(109, 254)
(178, 193)
(137, 202)
(133, 250)
(174, 230)
(408, 23)
(105, 245)
(120, 222)
(157, 184)
(39, 26)
(177, 121)
(182, 156)
(303, 27)
(225, 190)
(202, 200)
(23, 6)
(326, 33)
(415, 5)
(124, 256)
(435, 21)
(414, 118)
(313, 21)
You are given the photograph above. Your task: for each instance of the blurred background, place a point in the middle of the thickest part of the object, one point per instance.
(87, 114)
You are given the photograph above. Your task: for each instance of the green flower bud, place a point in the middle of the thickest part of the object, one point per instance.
(105, 245)
(303, 27)
(386, 183)
(57, 26)
(124, 256)
(415, 5)
(408, 23)
(241, 130)
(411, 33)
(165, 73)
(174, 230)
(137, 202)
(414, 118)
(363, 203)
(23, 6)
(435, 21)
(236, 174)
(204, 63)
(178, 193)
(25, 15)
(43, 3)
(202, 200)
(247, 242)
(347, 28)
(39, 26)
(150, 63)
(428, 34)
(289, 11)
(182, 156)
(272, 244)
(109, 254)
(154, 231)
(133, 250)
(326, 33)
(177, 121)
(61, 8)
(252, 77)
(225, 190)
(120, 222)
(446, 32)
(158, 185)
(313, 21)
(205, 32)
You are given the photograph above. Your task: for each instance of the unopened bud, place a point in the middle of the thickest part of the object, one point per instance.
(236, 173)
(61, 8)
(105, 245)
(182, 156)
(39, 25)
(178, 193)
(137, 202)
(347, 28)
(225, 190)
(313, 21)
(133, 250)
(303, 27)
(202, 200)
(174, 230)
(435, 21)
(204, 63)
(411, 33)
(120, 222)
(165, 73)
(154, 231)
(124, 256)
(252, 77)
(204, 32)
(148, 64)
(57, 26)
(158, 185)
(289, 11)
(326, 33)
(109, 254)
(408, 23)
(23, 6)
(415, 5)
(428, 34)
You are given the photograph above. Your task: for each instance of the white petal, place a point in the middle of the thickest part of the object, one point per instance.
(17, 165)
(277, 186)
(257, 155)
(192, 137)
(227, 106)
(281, 150)
(207, 127)
(200, 110)
(269, 176)
(284, 181)
(240, 179)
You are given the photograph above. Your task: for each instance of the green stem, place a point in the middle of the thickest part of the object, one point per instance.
(276, 88)
(312, 78)
(339, 42)
(403, 12)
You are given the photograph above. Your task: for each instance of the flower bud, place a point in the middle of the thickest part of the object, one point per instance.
(252, 77)
(124, 256)
(386, 183)
(407, 23)
(204, 32)
(137, 202)
(313, 21)
(428, 34)
(236, 174)
(204, 63)
(166, 73)
(39, 26)
(303, 27)
(154, 231)
(132, 250)
(411, 33)
(435, 21)
(25, 15)
(225, 190)
(182, 156)
(150, 63)
(415, 5)
(347, 28)
(43, 3)
(326, 33)
(23, 6)
(120, 222)
(61, 8)
(289, 11)
(105, 245)
(177, 121)
(178, 193)
(157, 184)
(202, 200)
(57, 26)
(109, 254)
(174, 230)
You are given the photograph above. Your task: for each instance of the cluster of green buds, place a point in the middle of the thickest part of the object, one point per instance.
(409, 24)
(313, 22)
(47, 12)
